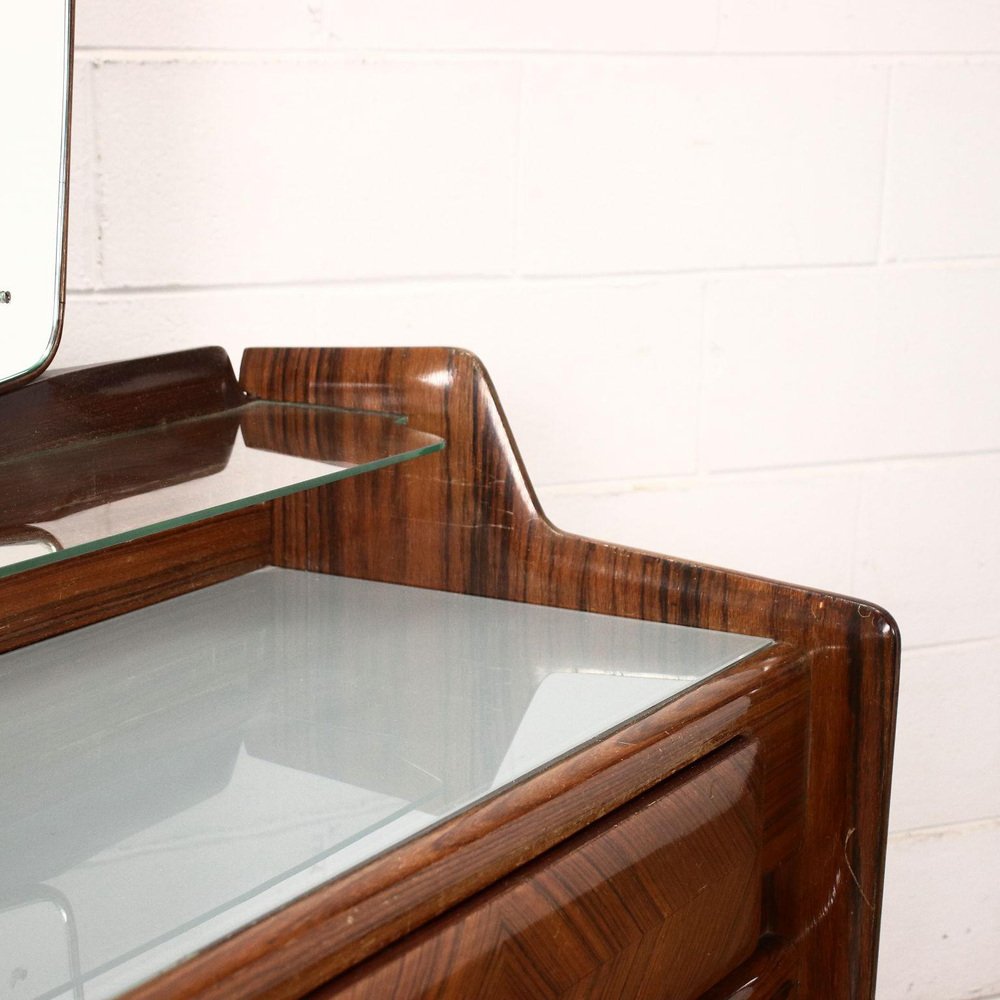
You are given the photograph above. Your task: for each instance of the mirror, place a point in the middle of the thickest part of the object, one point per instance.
(36, 55)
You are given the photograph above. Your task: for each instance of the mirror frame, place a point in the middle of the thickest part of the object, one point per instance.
(62, 239)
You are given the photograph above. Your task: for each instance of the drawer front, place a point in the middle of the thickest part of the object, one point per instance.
(658, 900)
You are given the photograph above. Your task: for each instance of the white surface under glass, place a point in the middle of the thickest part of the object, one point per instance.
(172, 775)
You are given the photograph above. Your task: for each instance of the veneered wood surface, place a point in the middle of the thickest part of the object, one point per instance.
(50, 466)
(820, 705)
(70, 407)
(766, 975)
(654, 902)
(468, 520)
(90, 588)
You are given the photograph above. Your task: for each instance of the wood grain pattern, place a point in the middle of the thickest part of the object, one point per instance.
(468, 520)
(656, 901)
(345, 437)
(818, 706)
(65, 595)
(764, 976)
(73, 407)
(57, 481)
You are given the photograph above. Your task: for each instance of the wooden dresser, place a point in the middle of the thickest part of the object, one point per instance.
(276, 727)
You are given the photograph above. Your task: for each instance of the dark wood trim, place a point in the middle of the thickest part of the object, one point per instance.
(61, 596)
(764, 976)
(65, 408)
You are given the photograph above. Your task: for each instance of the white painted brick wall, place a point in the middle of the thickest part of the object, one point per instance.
(926, 26)
(942, 143)
(645, 165)
(734, 265)
(289, 170)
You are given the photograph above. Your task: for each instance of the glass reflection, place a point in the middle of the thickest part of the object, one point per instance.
(177, 772)
(88, 495)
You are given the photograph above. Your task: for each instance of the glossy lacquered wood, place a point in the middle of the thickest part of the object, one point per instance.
(818, 707)
(766, 975)
(53, 599)
(468, 520)
(74, 407)
(657, 900)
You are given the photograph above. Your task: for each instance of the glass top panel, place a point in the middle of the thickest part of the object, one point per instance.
(65, 501)
(172, 775)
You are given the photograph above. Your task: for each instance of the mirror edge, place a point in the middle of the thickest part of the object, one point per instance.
(63, 239)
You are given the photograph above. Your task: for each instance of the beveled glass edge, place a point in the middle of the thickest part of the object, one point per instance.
(335, 474)
(249, 401)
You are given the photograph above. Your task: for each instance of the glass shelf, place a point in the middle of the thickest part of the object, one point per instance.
(65, 501)
(176, 773)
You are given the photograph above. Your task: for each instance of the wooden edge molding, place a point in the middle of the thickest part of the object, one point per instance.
(77, 405)
(664, 890)
(80, 591)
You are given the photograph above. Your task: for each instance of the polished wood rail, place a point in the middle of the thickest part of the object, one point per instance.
(74, 407)
(649, 902)
(810, 720)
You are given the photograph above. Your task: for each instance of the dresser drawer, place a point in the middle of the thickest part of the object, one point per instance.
(657, 901)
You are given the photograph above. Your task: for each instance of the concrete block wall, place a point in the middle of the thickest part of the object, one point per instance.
(734, 266)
